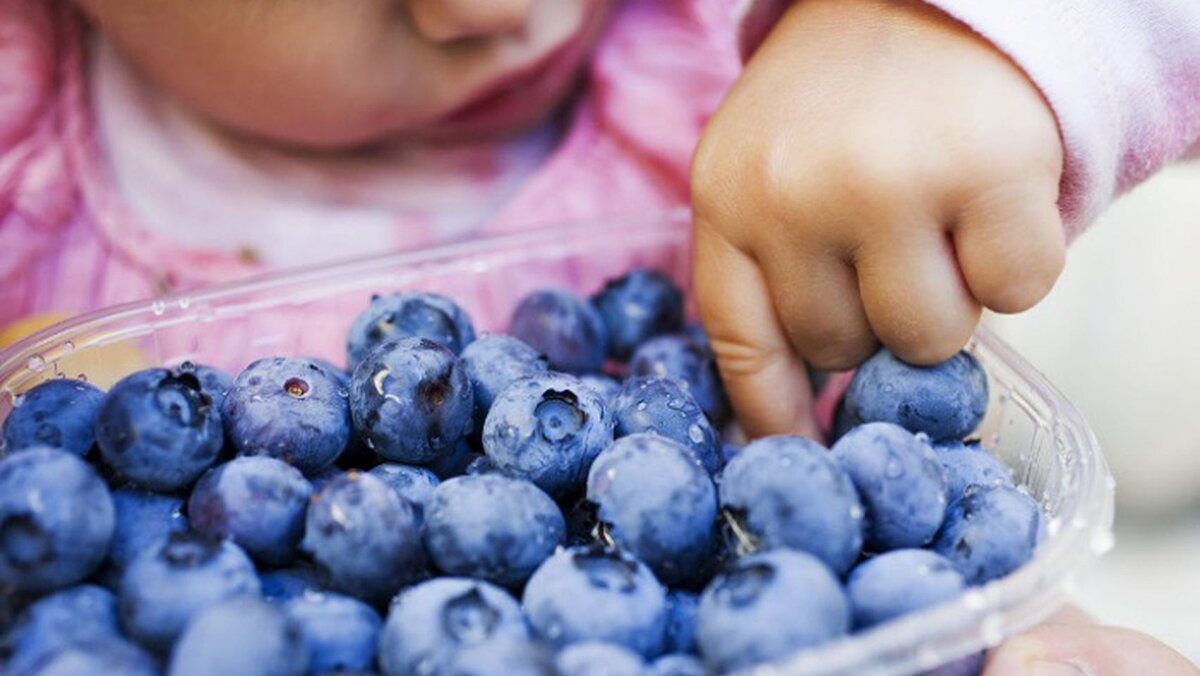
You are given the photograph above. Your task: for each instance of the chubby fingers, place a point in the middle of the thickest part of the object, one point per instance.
(1081, 648)
(766, 381)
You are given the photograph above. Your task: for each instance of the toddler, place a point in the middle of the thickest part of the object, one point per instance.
(877, 170)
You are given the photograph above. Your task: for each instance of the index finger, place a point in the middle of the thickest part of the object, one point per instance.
(766, 381)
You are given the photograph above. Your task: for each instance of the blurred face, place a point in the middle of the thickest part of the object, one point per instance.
(341, 73)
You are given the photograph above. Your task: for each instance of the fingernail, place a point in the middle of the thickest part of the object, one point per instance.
(1056, 669)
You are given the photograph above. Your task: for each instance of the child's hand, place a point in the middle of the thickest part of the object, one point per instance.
(878, 173)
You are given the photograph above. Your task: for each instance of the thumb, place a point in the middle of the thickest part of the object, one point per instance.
(767, 383)
(1080, 649)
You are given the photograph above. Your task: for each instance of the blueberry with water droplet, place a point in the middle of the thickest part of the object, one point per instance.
(495, 361)
(968, 464)
(60, 413)
(408, 315)
(901, 581)
(564, 327)
(636, 307)
(989, 532)
(691, 363)
(340, 633)
(900, 482)
(664, 407)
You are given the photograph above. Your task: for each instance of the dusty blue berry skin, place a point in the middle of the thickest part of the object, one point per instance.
(213, 381)
(502, 656)
(455, 462)
(102, 655)
(547, 429)
(412, 401)
(492, 527)
(60, 413)
(564, 327)
(681, 621)
(692, 363)
(656, 502)
(606, 386)
(596, 594)
(766, 607)
(636, 307)
(291, 409)
(56, 520)
(945, 401)
(788, 491)
(899, 582)
(989, 532)
(340, 632)
(74, 615)
(258, 502)
(158, 429)
(968, 464)
(408, 315)
(284, 584)
(495, 361)
(677, 665)
(365, 536)
(240, 637)
(414, 484)
(165, 586)
(900, 482)
(142, 519)
(594, 658)
(664, 407)
(427, 624)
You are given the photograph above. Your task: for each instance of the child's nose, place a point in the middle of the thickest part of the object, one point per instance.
(446, 20)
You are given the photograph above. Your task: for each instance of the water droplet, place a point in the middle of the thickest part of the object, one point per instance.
(158, 307)
(893, 469)
(973, 600)
(343, 393)
(641, 406)
(18, 400)
(991, 630)
(695, 434)
(68, 346)
(36, 363)
(184, 303)
(82, 377)
(856, 512)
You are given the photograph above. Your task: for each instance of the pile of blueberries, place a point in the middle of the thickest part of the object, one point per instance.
(455, 505)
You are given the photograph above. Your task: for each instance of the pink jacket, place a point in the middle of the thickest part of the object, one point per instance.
(1123, 78)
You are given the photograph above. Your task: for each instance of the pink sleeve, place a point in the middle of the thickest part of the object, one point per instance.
(1122, 76)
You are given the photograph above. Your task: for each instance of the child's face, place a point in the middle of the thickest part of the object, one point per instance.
(337, 73)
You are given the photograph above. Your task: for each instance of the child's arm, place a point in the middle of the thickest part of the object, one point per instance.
(880, 172)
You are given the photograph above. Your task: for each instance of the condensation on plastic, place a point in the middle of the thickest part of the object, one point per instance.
(1029, 424)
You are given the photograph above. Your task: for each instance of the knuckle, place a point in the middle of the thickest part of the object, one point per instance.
(738, 359)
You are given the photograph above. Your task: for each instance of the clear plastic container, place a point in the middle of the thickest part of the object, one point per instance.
(1029, 424)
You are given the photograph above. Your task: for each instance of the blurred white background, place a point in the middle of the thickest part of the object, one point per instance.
(1120, 336)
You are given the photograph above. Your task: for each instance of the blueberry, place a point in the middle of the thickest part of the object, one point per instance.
(636, 307)
(414, 484)
(900, 482)
(680, 357)
(455, 462)
(788, 491)
(901, 581)
(427, 624)
(60, 413)
(966, 465)
(158, 429)
(677, 665)
(213, 382)
(104, 655)
(142, 519)
(564, 327)
(594, 658)
(681, 621)
(492, 527)
(482, 464)
(408, 315)
(256, 501)
(766, 607)
(502, 656)
(597, 594)
(495, 361)
(291, 409)
(56, 520)
(340, 632)
(547, 429)
(365, 536)
(656, 502)
(663, 406)
(989, 532)
(728, 451)
(166, 585)
(411, 401)
(606, 386)
(240, 637)
(945, 401)
(284, 584)
(75, 615)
